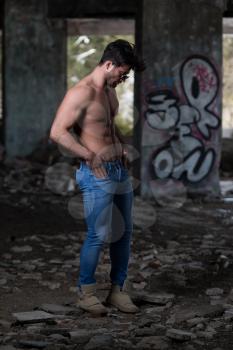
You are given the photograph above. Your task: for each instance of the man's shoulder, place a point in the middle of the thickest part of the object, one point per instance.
(82, 89)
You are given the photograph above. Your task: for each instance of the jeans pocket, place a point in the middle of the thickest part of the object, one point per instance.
(77, 173)
(100, 178)
(80, 167)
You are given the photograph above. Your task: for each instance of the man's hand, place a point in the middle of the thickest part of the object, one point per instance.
(96, 164)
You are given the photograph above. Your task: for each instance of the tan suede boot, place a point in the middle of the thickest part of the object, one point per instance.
(121, 300)
(89, 302)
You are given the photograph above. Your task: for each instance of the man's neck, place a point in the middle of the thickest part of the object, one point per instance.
(98, 78)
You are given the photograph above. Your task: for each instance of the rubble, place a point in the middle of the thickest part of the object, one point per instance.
(56, 309)
(179, 334)
(80, 336)
(100, 342)
(60, 178)
(28, 344)
(22, 249)
(179, 271)
(153, 342)
(32, 316)
(156, 298)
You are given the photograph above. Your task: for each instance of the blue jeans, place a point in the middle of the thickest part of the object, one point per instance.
(108, 214)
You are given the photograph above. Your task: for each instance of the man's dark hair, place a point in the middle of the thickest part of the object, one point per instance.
(121, 52)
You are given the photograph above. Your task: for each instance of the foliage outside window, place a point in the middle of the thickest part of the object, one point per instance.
(227, 85)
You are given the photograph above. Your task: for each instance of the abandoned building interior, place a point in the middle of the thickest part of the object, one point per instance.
(176, 118)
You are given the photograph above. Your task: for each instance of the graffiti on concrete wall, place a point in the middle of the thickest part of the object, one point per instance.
(188, 120)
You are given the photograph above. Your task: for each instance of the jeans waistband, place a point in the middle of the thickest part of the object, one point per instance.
(108, 164)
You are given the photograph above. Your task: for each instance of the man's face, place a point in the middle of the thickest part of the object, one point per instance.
(117, 75)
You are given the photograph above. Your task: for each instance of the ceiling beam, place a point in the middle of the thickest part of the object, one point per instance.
(93, 8)
(229, 10)
(95, 26)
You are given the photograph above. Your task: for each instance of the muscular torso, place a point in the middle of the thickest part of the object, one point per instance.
(95, 128)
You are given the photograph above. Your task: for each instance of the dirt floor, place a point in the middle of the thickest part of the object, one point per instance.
(184, 258)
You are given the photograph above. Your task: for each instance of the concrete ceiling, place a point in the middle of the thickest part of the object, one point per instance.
(93, 8)
(229, 10)
(100, 26)
(105, 8)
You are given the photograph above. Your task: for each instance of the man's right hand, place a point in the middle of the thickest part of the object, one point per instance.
(96, 164)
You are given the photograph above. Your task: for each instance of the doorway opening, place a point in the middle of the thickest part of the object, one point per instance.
(226, 165)
(227, 120)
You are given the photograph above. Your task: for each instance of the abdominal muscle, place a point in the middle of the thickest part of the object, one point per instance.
(103, 145)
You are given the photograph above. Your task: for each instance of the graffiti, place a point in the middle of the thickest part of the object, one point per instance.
(165, 81)
(189, 125)
(205, 79)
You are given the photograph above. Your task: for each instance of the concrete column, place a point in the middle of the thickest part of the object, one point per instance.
(34, 73)
(181, 97)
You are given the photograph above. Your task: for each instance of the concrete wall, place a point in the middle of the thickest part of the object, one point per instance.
(178, 96)
(181, 96)
(34, 73)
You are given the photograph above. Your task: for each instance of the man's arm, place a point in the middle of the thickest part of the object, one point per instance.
(69, 112)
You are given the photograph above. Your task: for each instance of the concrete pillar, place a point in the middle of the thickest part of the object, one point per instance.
(181, 97)
(34, 73)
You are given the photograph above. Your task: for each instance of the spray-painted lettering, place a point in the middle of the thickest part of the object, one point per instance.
(186, 155)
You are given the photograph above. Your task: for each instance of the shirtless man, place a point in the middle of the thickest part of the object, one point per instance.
(89, 109)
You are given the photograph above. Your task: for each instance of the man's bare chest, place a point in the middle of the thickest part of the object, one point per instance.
(109, 102)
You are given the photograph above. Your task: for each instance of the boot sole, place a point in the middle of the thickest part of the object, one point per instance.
(93, 312)
(121, 309)
(100, 313)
